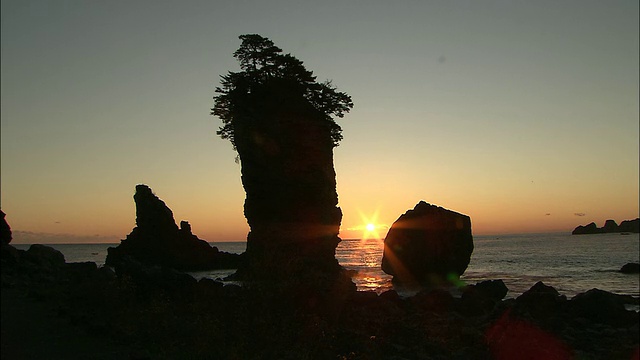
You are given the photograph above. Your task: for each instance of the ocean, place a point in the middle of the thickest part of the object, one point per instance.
(570, 263)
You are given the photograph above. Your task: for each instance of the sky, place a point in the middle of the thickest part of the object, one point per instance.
(521, 114)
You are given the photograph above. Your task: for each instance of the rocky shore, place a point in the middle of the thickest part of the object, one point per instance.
(152, 312)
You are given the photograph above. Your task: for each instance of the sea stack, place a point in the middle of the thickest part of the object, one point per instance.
(428, 245)
(291, 201)
(280, 121)
(157, 240)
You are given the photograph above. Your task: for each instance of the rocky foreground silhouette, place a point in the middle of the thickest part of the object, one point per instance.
(159, 313)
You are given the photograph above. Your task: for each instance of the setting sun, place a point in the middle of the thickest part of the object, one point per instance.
(370, 227)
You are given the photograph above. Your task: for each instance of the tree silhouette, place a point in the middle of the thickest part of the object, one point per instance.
(269, 82)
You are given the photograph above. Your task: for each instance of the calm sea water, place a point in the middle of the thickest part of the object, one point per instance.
(571, 264)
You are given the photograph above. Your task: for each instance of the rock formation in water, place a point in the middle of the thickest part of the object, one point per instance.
(279, 120)
(610, 226)
(428, 244)
(157, 240)
(291, 202)
(590, 228)
(5, 229)
(630, 268)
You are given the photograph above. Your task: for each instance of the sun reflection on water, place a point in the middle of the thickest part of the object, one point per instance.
(364, 256)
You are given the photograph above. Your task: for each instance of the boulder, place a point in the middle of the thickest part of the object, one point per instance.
(602, 307)
(5, 230)
(38, 262)
(494, 290)
(428, 244)
(482, 297)
(157, 240)
(433, 300)
(630, 268)
(540, 302)
(45, 257)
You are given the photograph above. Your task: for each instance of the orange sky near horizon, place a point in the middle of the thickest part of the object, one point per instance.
(521, 115)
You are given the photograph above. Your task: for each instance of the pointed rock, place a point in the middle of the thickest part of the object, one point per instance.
(157, 240)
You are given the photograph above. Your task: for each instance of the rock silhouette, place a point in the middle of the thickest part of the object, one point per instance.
(164, 314)
(428, 244)
(630, 226)
(590, 228)
(630, 268)
(610, 226)
(5, 229)
(279, 119)
(291, 201)
(157, 240)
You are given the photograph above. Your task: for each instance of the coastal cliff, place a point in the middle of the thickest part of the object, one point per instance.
(610, 226)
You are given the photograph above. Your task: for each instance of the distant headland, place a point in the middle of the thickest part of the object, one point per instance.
(610, 226)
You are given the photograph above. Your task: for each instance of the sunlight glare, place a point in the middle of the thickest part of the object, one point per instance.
(371, 226)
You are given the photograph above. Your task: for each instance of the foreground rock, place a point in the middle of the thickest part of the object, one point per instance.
(610, 226)
(157, 240)
(162, 314)
(428, 244)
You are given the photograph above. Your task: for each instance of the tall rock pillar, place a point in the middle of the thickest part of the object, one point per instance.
(281, 122)
(291, 201)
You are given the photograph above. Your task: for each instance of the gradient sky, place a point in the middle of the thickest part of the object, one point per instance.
(521, 114)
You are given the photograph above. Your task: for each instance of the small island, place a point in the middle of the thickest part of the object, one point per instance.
(610, 226)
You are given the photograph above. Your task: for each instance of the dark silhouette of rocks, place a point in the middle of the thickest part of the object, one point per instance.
(610, 226)
(630, 226)
(45, 256)
(428, 244)
(280, 121)
(602, 307)
(8, 253)
(630, 268)
(162, 313)
(291, 202)
(540, 302)
(40, 262)
(157, 240)
(5, 230)
(590, 228)
(482, 297)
